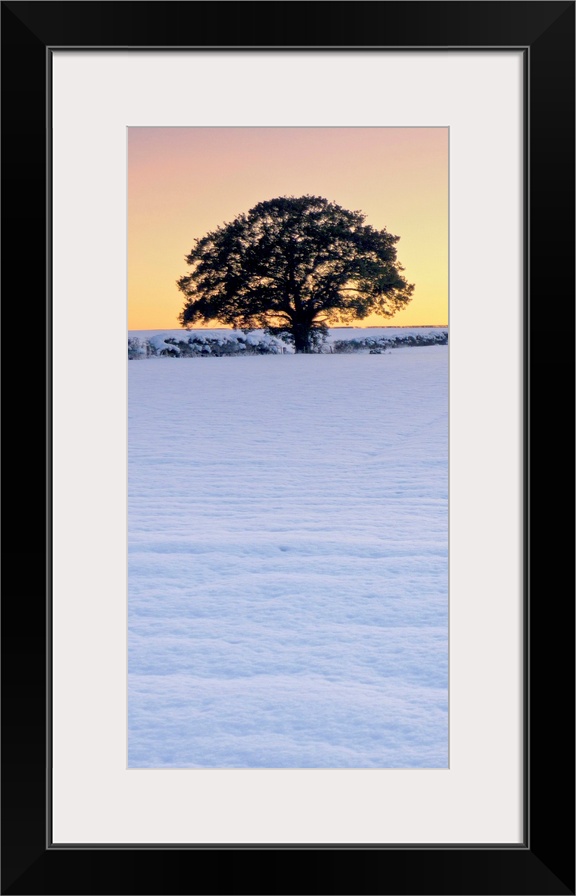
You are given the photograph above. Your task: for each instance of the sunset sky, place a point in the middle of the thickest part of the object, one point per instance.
(184, 182)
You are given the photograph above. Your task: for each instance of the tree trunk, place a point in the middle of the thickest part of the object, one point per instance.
(301, 334)
(300, 326)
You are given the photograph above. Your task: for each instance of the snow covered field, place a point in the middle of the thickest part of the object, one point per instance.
(288, 561)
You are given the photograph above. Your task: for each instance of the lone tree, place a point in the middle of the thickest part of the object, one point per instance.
(292, 266)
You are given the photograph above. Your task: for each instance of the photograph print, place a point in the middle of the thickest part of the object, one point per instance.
(288, 448)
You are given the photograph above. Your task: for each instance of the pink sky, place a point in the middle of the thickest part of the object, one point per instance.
(183, 182)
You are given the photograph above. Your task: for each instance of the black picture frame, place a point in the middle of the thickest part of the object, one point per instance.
(544, 862)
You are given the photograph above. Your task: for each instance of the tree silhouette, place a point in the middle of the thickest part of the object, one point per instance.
(292, 266)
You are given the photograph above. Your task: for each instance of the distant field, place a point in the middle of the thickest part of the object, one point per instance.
(143, 344)
(334, 332)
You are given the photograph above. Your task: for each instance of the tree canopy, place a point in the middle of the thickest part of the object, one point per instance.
(292, 266)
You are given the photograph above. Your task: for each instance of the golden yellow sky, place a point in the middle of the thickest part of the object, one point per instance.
(184, 182)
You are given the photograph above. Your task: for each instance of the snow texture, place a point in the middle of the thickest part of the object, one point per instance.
(194, 342)
(288, 561)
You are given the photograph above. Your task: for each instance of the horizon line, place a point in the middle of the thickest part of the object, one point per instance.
(340, 327)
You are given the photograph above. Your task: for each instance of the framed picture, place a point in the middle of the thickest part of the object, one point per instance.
(78, 806)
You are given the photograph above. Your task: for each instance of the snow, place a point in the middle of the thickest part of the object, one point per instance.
(159, 343)
(288, 561)
(146, 343)
(192, 343)
(334, 332)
